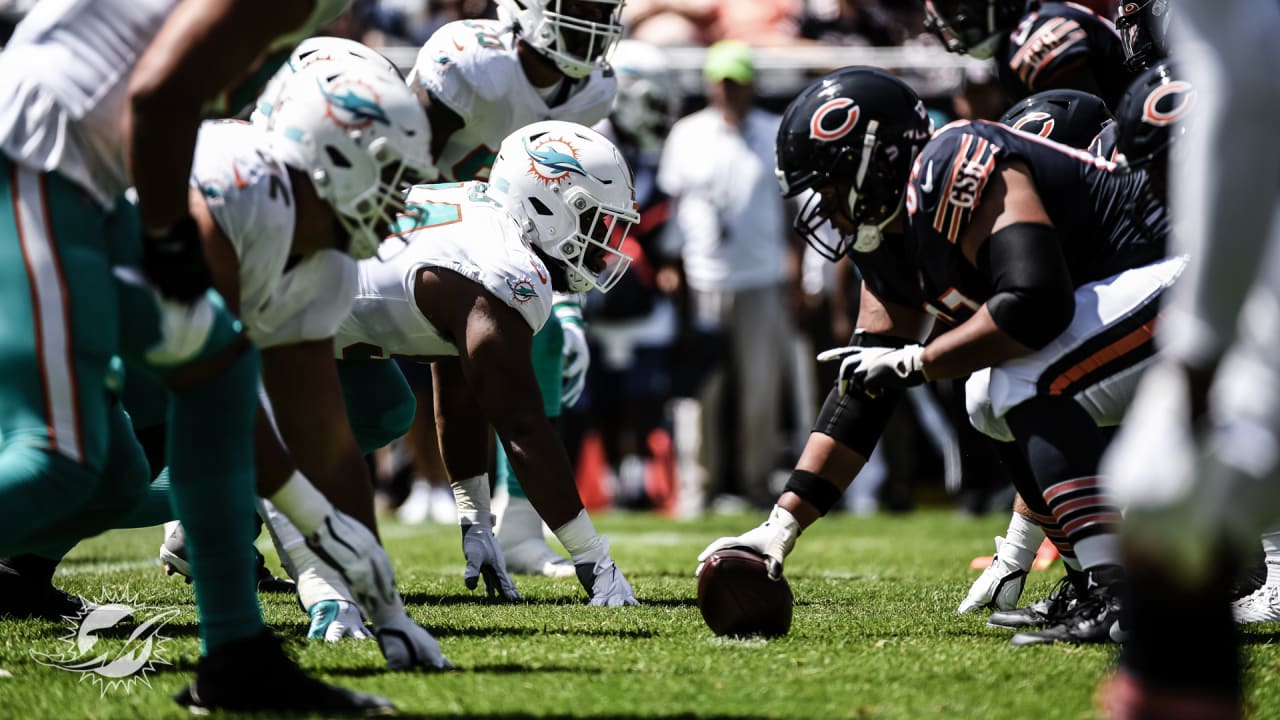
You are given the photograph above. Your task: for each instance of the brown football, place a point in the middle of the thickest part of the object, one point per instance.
(737, 597)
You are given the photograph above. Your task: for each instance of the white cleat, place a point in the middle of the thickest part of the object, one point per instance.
(1260, 606)
(999, 587)
(533, 556)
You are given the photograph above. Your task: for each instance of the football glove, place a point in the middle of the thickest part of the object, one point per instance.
(174, 262)
(875, 369)
(408, 646)
(484, 560)
(998, 587)
(333, 620)
(774, 539)
(603, 581)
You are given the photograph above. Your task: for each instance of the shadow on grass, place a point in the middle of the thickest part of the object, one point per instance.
(522, 716)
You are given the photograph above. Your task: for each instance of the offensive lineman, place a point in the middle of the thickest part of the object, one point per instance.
(1058, 330)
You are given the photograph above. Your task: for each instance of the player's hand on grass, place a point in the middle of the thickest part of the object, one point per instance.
(408, 646)
(333, 620)
(485, 560)
(353, 550)
(774, 538)
(602, 580)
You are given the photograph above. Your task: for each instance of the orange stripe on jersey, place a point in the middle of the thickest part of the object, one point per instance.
(36, 319)
(944, 198)
(1115, 350)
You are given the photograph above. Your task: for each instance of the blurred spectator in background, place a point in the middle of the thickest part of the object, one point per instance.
(758, 22)
(718, 167)
(670, 22)
(848, 22)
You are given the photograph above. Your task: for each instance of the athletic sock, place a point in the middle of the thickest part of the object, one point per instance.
(211, 468)
(1021, 541)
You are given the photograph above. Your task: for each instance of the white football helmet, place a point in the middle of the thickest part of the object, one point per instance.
(307, 53)
(571, 191)
(360, 135)
(646, 102)
(576, 35)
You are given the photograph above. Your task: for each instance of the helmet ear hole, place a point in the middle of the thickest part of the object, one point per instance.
(337, 157)
(540, 207)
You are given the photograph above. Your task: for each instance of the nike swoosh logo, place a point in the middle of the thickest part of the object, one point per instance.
(538, 270)
(927, 185)
(241, 183)
(457, 45)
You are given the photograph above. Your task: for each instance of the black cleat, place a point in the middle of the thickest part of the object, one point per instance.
(255, 675)
(268, 583)
(27, 591)
(1092, 618)
(1041, 613)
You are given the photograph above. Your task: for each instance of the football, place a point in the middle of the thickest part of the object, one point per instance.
(737, 598)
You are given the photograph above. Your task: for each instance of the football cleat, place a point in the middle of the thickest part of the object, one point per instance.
(255, 675)
(1260, 606)
(1041, 613)
(1092, 618)
(27, 591)
(998, 587)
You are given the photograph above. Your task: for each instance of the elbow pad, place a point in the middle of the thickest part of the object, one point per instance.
(1034, 297)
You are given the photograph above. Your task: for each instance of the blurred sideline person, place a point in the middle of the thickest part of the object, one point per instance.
(480, 81)
(729, 223)
(1196, 464)
(467, 290)
(74, 138)
(1042, 265)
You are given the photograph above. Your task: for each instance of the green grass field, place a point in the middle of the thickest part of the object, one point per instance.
(874, 635)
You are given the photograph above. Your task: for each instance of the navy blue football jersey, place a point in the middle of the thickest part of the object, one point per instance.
(1107, 222)
(1056, 38)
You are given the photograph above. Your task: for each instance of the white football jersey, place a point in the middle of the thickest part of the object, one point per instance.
(64, 80)
(250, 197)
(471, 66)
(457, 227)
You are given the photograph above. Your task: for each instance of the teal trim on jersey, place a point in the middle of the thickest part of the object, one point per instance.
(380, 403)
(417, 216)
(548, 344)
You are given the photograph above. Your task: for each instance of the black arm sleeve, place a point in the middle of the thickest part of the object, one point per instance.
(1034, 299)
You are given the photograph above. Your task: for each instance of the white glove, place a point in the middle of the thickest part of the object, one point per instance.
(998, 587)
(875, 369)
(333, 620)
(602, 580)
(576, 358)
(407, 646)
(774, 539)
(484, 559)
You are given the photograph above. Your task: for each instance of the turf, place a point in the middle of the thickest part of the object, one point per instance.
(874, 635)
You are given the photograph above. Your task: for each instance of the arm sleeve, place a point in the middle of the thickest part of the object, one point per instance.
(1034, 299)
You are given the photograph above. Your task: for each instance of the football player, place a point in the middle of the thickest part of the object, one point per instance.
(468, 290)
(99, 96)
(1073, 118)
(1037, 45)
(480, 81)
(1144, 36)
(1041, 265)
(1195, 464)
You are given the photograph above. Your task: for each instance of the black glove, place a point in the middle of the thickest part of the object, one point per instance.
(174, 263)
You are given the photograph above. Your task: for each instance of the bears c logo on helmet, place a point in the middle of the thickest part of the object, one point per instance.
(826, 123)
(1027, 123)
(1168, 103)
